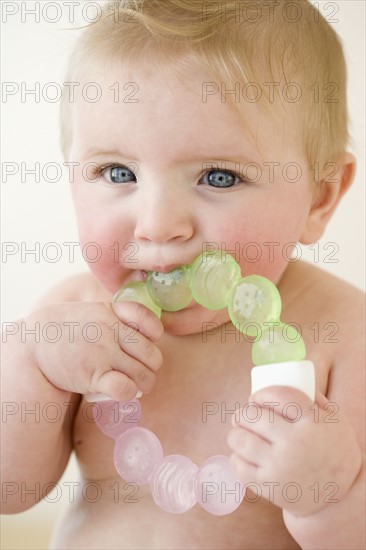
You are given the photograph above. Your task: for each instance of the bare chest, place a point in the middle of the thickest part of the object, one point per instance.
(190, 419)
(190, 410)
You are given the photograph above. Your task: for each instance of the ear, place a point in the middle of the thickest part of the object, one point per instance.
(326, 198)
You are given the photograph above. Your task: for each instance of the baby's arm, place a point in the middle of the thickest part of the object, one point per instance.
(34, 450)
(320, 451)
(341, 523)
(48, 377)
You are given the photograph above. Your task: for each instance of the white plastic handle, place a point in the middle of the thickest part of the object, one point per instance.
(295, 374)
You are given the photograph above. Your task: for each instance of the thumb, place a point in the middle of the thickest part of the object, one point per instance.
(116, 385)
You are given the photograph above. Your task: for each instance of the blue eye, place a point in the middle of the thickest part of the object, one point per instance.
(220, 178)
(117, 174)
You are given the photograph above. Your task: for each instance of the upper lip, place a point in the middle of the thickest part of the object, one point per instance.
(164, 268)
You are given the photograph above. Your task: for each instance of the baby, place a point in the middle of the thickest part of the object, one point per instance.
(188, 126)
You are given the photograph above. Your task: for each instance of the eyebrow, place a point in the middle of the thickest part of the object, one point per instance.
(111, 153)
(236, 156)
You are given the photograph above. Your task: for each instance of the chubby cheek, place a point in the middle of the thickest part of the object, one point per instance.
(261, 244)
(108, 269)
(102, 245)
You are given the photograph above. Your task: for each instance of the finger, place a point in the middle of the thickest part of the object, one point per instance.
(116, 385)
(144, 320)
(249, 446)
(139, 347)
(243, 470)
(290, 403)
(260, 420)
(142, 375)
(321, 399)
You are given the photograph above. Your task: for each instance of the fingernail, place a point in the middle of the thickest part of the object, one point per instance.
(138, 395)
(97, 397)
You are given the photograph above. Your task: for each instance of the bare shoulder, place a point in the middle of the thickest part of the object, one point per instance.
(318, 295)
(82, 287)
(316, 282)
(326, 298)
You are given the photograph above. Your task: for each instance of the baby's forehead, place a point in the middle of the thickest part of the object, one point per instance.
(175, 106)
(122, 81)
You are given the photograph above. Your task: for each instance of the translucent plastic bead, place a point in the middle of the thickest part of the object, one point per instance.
(278, 343)
(137, 292)
(170, 291)
(218, 490)
(136, 454)
(113, 417)
(173, 484)
(213, 276)
(253, 301)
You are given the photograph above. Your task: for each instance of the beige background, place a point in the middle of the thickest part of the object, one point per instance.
(42, 212)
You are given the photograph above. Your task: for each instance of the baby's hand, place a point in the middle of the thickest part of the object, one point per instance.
(93, 347)
(300, 456)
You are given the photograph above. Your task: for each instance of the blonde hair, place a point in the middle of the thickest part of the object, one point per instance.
(285, 47)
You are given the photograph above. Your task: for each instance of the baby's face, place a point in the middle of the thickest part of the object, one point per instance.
(158, 203)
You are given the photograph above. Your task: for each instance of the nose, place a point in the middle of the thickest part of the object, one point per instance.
(164, 217)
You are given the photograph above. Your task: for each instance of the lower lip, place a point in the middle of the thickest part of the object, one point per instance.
(139, 276)
(191, 304)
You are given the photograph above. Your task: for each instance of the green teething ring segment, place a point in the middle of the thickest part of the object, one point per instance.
(214, 281)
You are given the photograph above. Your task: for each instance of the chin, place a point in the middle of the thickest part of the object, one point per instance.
(178, 323)
(194, 320)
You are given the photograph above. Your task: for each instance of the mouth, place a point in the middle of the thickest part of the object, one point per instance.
(165, 268)
(171, 297)
(142, 273)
